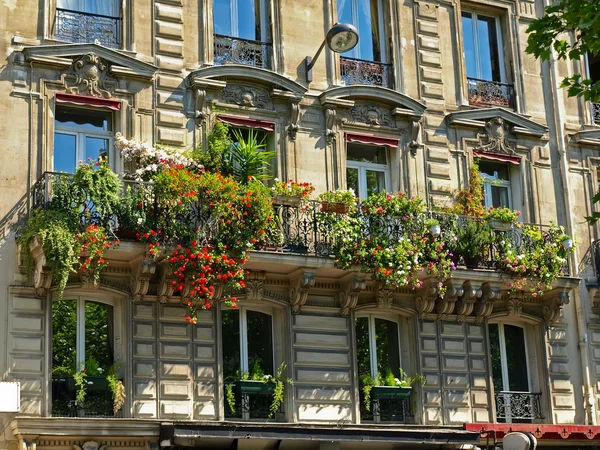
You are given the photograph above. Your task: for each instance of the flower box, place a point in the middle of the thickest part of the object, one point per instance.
(499, 225)
(254, 387)
(92, 384)
(288, 200)
(390, 392)
(339, 208)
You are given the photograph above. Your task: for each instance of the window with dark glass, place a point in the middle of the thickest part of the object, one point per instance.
(496, 184)
(367, 17)
(481, 36)
(367, 169)
(80, 134)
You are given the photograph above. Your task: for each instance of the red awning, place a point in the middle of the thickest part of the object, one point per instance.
(498, 157)
(248, 123)
(371, 140)
(540, 431)
(84, 100)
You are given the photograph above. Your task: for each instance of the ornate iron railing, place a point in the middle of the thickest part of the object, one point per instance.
(303, 229)
(250, 406)
(82, 27)
(517, 406)
(396, 410)
(359, 71)
(242, 51)
(596, 113)
(490, 93)
(98, 400)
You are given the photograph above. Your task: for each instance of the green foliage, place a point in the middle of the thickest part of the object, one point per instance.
(218, 142)
(388, 379)
(246, 159)
(81, 383)
(471, 240)
(505, 215)
(572, 29)
(344, 196)
(117, 388)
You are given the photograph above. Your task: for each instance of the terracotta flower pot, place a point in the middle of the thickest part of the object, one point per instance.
(339, 208)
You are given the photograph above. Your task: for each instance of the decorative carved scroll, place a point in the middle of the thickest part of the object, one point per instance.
(141, 272)
(385, 297)
(485, 305)
(445, 305)
(553, 306)
(255, 285)
(89, 76)
(350, 293)
(426, 298)
(42, 276)
(293, 127)
(464, 306)
(299, 289)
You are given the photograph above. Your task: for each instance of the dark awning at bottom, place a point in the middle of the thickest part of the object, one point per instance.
(217, 435)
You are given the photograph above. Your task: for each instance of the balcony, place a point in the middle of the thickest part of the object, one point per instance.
(519, 407)
(596, 113)
(82, 27)
(98, 400)
(388, 405)
(252, 401)
(358, 71)
(241, 51)
(490, 93)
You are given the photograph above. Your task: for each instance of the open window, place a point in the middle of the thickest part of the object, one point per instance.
(87, 21)
(514, 380)
(241, 32)
(367, 63)
(80, 134)
(496, 184)
(83, 339)
(367, 169)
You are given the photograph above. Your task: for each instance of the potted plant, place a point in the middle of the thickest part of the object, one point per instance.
(257, 382)
(433, 225)
(388, 386)
(291, 193)
(339, 201)
(565, 241)
(473, 239)
(502, 219)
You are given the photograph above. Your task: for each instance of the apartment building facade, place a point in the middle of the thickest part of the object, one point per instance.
(431, 86)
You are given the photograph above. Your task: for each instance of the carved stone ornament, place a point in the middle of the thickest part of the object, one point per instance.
(445, 305)
(464, 306)
(553, 307)
(164, 287)
(385, 297)
(330, 114)
(88, 281)
(514, 306)
(350, 293)
(496, 137)
(293, 127)
(89, 76)
(414, 145)
(89, 445)
(255, 285)
(485, 305)
(371, 115)
(42, 276)
(426, 298)
(141, 272)
(299, 289)
(246, 96)
(200, 99)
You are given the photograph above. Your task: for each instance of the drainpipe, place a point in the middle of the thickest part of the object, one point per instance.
(559, 113)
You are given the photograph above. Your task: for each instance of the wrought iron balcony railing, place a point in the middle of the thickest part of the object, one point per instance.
(359, 71)
(596, 113)
(82, 27)
(393, 409)
(252, 401)
(303, 229)
(242, 51)
(490, 93)
(518, 406)
(98, 400)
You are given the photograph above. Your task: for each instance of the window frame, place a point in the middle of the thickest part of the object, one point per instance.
(362, 168)
(355, 52)
(81, 135)
(501, 64)
(489, 181)
(234, 30)
(373, 340)
(503, 355)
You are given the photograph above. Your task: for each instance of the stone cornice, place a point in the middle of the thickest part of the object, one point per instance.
(25, 427)
(477, 117)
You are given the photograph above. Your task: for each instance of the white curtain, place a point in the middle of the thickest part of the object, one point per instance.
(104, 7)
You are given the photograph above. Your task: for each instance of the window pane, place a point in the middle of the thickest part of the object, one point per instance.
(516, 359)
(469, 43)
(496, 359)
(352, 179)
(94, 147)
(363, 355)
(230, 337)
(98, 338)
(84, 118)
(64, 337)
(248, 19)
(490, 168)
(488, 48)
(222, 17)
(260, 341)
(366, 153)
(344, 9)
(375, 181)
(65, 152)
(500, 197)
(388, 350)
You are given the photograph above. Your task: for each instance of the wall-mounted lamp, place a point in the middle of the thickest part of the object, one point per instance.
(341, 38)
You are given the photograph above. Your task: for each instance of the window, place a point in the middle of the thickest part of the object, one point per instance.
(594, 74)
(86, 21)
(82, 338)
(482, 41)
(80, 134)
(249, 154)
(367, 169)
(496, 184)
(510, 373)
(367, 17)
(241, 18)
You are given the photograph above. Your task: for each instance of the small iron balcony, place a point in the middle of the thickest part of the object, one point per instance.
(82, 27)
(242, 51)
(517, 406)
(490, 93)
(358, 71)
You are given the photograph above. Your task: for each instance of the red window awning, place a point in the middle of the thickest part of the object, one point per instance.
(84, 100)
(498, 157)
(248, 123)
(371, 140)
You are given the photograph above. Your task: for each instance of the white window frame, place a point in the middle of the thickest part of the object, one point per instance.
(503, 356)
(355, 52)
(80, 331)
(362, 174)
(80, 133)
(243, 311)
(488, 182)
(373, 341)
(476, 45)
(264, 20)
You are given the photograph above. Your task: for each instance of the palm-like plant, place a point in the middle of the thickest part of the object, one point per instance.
(246, 158)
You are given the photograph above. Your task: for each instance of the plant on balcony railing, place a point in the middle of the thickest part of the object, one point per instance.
(257, 382)
(290, 192)
(389, 386)
(340, 201)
